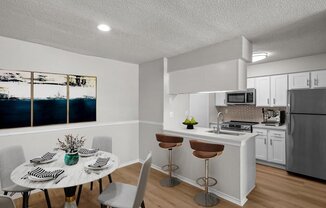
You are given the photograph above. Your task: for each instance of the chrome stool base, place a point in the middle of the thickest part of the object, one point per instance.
(170, 182)
(206, 199)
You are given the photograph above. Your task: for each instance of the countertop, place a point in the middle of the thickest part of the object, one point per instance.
(263, 126)
(202, 133)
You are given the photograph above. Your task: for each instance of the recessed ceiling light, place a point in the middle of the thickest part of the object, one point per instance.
(103, 27)
(258, 56)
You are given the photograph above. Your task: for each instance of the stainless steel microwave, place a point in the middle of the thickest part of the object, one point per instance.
(245, 97)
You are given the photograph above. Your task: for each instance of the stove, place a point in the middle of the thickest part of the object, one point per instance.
(238, 125)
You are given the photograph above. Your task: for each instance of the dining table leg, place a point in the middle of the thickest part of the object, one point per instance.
(70, 193)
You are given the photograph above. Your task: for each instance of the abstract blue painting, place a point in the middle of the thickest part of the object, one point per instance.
(15, 99)
(49, 99)
(82, 98)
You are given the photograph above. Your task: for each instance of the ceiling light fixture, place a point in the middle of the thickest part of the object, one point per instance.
(103, 27)
(258, 56)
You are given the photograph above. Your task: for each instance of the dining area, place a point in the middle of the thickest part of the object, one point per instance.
(71, 168)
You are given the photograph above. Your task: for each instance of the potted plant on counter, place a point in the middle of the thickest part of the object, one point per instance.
(71, 145)
(190, 123)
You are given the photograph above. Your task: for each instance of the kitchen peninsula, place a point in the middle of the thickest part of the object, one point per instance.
(235, 169)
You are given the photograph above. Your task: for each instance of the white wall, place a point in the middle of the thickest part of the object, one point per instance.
(307, 63)
(150, 108)
(117, 98)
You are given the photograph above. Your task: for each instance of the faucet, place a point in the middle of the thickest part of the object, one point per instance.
(219, 114)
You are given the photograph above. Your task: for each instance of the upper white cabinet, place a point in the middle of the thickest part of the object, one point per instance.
(263, 91)
(251, 83)
(279, 87)
(299, 80)
(220, 99)
(318, 79)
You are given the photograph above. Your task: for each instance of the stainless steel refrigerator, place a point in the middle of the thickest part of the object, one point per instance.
(306, 133)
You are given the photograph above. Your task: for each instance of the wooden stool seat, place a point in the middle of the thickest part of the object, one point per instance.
(204, 155)
(167, 145)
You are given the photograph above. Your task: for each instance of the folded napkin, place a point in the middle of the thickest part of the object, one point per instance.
(87, 151)
(100, 162)
(41, 173)
(47, 156)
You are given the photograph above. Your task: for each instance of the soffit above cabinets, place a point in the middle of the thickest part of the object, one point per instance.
(223, 76)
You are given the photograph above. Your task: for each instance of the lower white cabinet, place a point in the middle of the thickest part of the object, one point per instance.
(270, 145)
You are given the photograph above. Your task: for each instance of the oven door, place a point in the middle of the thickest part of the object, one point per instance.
(236, 98)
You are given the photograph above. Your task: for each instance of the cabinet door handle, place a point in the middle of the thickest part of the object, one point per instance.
(264, 141)
(308, 82)
(268, 101)
(270, 141)
(224, 101)
(317, 82)
(274, 101)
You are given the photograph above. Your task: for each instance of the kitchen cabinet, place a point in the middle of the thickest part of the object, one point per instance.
(279, 87)
(263, 91)
(270, 145)
(276, 147)
(220, 99)
(299, 80)
(261, 144)
(251, 83)
(318, 79)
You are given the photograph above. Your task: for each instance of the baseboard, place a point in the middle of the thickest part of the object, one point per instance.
(129, 163)
(274, 165)
(193, 183)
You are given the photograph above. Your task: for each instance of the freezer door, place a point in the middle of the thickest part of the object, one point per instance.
(307, 101)
(306, 145)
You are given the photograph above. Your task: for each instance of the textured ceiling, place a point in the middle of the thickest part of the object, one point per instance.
(144, 30)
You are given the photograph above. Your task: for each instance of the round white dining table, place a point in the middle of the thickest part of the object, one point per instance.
(73, 175)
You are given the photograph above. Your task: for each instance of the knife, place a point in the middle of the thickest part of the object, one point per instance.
(57, 180)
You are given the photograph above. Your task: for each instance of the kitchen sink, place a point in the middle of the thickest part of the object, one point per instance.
(226, 132)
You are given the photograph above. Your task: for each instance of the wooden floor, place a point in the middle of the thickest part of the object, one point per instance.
(274, 188)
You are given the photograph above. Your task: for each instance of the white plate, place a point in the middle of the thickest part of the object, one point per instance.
(55, 157)
(33, 178)
(87, 155)
(97, 168)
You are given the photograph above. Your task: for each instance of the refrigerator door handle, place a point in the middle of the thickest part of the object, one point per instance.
(288, 114)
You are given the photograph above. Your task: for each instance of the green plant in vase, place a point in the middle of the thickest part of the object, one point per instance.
(190, 123)
(71, 145)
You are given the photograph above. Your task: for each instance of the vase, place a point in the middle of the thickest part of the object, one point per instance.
(190, 126)
(71, 158)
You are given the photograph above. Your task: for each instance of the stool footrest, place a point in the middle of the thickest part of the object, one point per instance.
(167, 167)
(202, 181)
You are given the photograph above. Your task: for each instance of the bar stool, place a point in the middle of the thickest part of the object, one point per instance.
(169, 142)
(206, 151)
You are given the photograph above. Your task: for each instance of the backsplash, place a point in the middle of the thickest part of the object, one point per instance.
(243, 112)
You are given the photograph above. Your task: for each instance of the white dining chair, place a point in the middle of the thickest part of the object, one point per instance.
(10, 158)
(103, 143)
(6, 202)
(121, 195)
